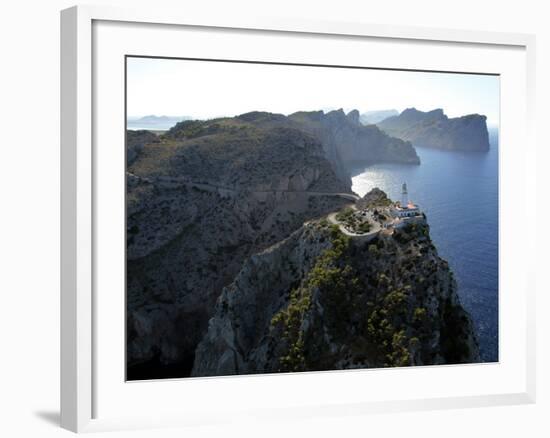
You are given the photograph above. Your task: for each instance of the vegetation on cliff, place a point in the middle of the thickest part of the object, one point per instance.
(328, 275)
(377, 319)
(210, 206)
(348, 303)
(201, 199)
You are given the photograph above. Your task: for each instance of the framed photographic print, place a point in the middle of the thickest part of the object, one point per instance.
(318, 217)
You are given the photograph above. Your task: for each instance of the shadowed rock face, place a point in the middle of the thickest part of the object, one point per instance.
(198, 205)
(135, 141)
(319, 300)
(347, 142)
(434, 129)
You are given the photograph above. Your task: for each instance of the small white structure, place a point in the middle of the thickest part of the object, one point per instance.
(405, 208)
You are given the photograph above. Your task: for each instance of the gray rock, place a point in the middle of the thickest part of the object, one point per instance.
(393, 302)
(347, 142)
(197, 208)
(135, 142)
(435, 130)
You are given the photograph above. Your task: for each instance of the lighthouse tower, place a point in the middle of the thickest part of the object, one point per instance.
(405, 208)
(404, 196)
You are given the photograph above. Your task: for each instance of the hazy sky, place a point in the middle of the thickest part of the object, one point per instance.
(204, 89)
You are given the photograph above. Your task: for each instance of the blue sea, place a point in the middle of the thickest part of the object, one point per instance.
(458, 191)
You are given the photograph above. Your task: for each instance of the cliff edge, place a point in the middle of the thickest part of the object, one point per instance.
(435, 130)
(320, 300)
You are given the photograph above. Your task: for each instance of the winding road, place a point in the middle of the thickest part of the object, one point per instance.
(373, 232)
(226, 189)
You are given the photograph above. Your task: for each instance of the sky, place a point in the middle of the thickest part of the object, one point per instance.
(206, 89)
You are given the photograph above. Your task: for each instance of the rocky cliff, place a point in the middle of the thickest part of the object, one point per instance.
(206, 196)
(320, 300)
(200, 201)
(434, 129)
(136, 141)
(347, 141)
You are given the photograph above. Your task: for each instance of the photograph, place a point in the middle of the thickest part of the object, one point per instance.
(304, 218)
(275, 219)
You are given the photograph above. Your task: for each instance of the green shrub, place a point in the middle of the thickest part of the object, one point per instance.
(364, 227)
(327, 276)
(419, 314)
(345, 214)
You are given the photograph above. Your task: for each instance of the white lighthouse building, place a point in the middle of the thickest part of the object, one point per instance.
(404, 195)
(405, 208)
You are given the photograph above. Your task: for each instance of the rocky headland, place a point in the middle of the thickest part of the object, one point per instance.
(435, 130)
(320, 300)
(210, 203)
(200, 201)
(347, 142)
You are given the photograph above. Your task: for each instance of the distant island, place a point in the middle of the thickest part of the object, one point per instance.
(245, 241)
(435, 130)
(154, 123)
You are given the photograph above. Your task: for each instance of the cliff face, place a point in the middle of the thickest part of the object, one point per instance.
(347, 141)
(344, 139)
(199, 203)
(320, 300)
(434, 129)
(208, 195)
(136, 141)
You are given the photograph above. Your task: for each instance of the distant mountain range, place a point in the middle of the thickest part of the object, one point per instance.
(373, 117)
(431, 129)
(435, 130)
(154, 123)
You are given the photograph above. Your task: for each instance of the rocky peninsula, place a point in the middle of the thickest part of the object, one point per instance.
(347, 142)
(435, 130)
(227, 229)
(201, 200)
(321, 300)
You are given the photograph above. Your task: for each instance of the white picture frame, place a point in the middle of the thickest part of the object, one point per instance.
(83, 369)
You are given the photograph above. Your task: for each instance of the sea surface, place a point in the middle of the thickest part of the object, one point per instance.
(458, 191)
